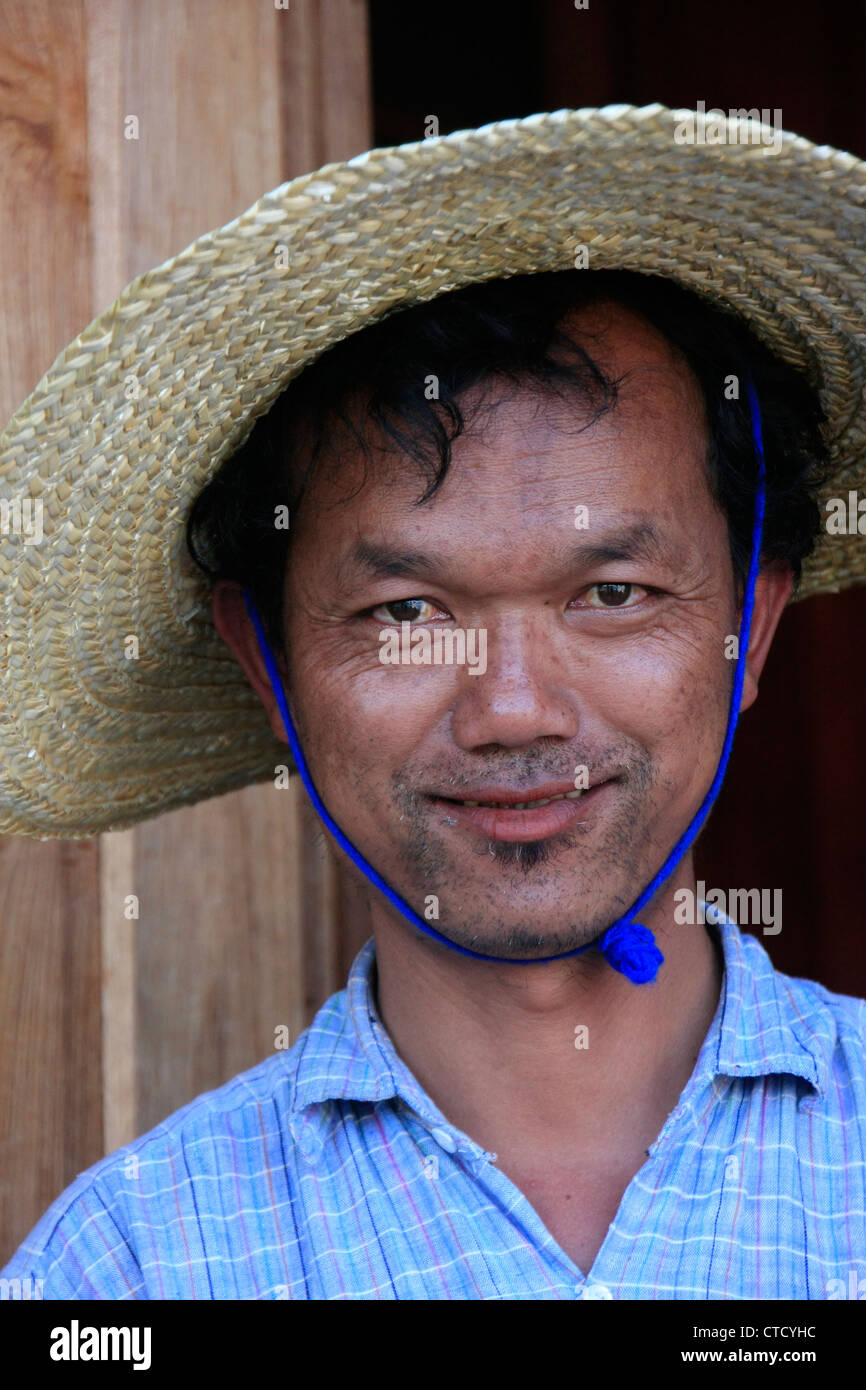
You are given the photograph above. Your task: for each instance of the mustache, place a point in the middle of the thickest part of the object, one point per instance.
(600, 768)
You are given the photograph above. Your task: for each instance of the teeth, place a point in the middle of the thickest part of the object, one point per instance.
(524, 805)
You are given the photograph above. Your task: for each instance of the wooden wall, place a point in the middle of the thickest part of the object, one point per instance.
(108, 1025)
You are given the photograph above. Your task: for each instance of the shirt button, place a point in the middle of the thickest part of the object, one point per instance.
(597, 1291)
(444, 1140)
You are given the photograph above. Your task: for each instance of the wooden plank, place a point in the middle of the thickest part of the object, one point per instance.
(219, 959)
(50, 1072)
(326, 99)
(119, 931)
(50, 1063)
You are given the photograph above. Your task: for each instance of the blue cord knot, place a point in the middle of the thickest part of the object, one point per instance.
(631, 949)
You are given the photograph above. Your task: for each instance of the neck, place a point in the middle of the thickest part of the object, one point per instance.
(495, 1046)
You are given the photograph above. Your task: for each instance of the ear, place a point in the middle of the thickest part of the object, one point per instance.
(233, 624)
(773, 588)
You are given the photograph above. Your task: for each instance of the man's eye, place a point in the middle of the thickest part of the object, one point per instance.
(614, 595)
(405, 610)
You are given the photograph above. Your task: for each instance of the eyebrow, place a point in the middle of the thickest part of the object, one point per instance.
(640, 541)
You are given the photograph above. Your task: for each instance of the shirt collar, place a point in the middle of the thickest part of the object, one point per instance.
(347, 1055)
(765, 1022)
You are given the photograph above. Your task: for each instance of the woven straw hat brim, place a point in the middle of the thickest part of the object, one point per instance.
(138, 413)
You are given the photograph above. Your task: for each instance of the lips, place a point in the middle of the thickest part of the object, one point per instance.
(501, 813)
(525, 805)
(517, 798)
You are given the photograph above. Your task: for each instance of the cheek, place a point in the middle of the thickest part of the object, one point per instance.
(359, 719)
(671, 694)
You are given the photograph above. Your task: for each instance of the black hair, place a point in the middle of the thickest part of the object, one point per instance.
(510, 329)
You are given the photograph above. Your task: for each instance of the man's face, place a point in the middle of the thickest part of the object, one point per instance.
(631, 684)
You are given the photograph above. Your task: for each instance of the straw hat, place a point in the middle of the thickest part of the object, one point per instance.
(138, 413)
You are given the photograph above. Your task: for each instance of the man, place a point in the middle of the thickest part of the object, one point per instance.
(490, 1110)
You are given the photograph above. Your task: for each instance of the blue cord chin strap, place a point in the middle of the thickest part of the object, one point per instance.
(627, 946)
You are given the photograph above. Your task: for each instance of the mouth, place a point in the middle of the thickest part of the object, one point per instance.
(500, 813)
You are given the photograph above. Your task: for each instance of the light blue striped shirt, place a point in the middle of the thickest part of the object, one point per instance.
(326, 1172)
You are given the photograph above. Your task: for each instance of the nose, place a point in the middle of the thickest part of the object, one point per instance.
(524, 693)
